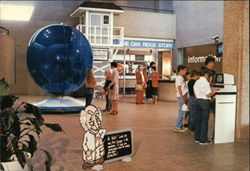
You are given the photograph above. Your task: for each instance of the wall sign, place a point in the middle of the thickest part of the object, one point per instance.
(149, 44)
(195, 56)
(118, 145)
(200, 59)
(100, 54)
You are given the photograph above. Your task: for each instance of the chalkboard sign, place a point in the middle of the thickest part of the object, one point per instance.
(117, 145)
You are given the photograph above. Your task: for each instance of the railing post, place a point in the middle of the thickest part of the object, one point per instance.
(111, 35)
(95, 35)
(124, 74)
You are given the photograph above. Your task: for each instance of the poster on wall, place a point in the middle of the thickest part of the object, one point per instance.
(100, 54)
(195, 56)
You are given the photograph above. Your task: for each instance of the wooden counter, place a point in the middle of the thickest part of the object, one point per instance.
(166, 90)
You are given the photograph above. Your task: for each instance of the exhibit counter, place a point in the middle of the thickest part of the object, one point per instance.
(166, 90)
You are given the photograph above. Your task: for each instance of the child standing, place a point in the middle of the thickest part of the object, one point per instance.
(191, 101)
(187, 77)
(203, 93)
(181, 92)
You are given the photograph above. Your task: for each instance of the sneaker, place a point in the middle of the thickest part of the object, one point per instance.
(191, 131)
(206, 143)
(179, 130)
(196, 141)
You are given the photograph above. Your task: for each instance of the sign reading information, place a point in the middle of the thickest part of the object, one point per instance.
(118, 145)
(195, 56)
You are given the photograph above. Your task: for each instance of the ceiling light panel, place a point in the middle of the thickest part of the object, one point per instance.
(16, 12)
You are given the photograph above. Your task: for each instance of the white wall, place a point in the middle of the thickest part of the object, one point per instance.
(197, 22)
(147, 24)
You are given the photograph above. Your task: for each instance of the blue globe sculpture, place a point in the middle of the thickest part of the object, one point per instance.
(58, 57)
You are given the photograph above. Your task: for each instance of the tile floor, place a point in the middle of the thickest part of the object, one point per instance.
(156, 146)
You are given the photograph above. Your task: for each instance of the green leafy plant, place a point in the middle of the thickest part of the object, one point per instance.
(20, 128)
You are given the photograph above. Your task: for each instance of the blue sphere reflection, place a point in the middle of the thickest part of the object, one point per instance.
(57, 58)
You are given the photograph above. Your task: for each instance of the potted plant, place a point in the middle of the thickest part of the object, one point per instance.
(20, 127)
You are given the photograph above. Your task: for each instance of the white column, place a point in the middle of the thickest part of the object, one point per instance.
(87, 25)
(111, 27)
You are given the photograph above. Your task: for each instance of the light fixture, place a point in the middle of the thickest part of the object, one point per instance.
(15, 12)
(215, 38)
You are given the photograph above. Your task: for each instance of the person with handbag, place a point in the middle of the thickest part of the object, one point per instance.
(140, 84)
(114, 88)
(107, 91)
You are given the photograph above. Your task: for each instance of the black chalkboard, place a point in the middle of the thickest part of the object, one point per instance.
(118, 144)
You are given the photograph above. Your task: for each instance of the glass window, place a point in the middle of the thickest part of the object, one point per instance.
(95, 20)
(105, 19)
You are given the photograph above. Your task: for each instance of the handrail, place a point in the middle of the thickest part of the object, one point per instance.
(7, 30)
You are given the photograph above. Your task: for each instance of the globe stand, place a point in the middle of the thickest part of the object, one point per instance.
(62, 104)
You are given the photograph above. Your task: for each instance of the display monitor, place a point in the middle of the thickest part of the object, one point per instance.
(219, 79)
(222, 78)
(219, 50)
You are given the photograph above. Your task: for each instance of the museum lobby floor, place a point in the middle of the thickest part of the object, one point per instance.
(156, 146)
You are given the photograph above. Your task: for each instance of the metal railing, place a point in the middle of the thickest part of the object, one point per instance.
(103, 35)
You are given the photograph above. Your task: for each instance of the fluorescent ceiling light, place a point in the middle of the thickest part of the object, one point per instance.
(16, 12)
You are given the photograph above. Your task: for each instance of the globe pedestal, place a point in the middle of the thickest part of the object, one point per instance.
(63, 104)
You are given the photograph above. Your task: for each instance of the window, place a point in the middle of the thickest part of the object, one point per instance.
(139, 57)
(105, 19)
(95, 20)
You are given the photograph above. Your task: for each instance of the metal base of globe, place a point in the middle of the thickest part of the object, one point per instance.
(63, 104)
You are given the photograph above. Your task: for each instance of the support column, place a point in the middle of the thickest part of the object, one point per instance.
(236, 58)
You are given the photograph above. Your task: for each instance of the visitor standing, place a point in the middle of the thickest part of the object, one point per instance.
(140, 84)
(203, 93)
(192, 100)
(209, 64)
(90, 84)
(107, 91)
(149, 81)
(155, 84)
(181, 92)
(114, 88)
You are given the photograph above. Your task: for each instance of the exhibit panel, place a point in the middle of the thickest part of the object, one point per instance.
(225, 108)
(225, 118)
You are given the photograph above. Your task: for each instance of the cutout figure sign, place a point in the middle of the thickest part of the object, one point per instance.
(93, 146)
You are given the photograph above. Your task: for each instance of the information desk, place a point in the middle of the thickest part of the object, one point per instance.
(167, 90)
